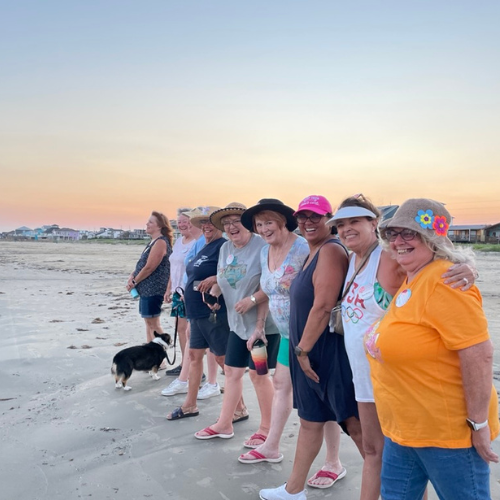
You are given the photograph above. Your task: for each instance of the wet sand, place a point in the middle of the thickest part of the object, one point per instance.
(67, 433)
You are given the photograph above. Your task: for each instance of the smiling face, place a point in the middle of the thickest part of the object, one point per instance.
(357, 233)
(411, 254)
(183, 224)
(314, 230)
(235, 231)
(210, 232)
(271, 227)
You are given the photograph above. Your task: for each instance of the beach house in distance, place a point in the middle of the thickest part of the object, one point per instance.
(471, 233)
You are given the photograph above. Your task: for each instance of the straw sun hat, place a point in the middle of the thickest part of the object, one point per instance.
(234, 208)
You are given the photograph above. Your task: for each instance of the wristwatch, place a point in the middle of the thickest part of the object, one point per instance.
(300, 352)
(475, 426)
(253, 299)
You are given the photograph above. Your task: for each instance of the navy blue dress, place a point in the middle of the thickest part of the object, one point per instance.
(333, 397)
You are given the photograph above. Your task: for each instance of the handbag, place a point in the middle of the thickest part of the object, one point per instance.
(336, 324)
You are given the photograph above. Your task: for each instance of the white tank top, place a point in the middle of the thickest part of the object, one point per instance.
(360, 310)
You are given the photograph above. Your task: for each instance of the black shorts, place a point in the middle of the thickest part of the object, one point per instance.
(238, 356)
(206, 334)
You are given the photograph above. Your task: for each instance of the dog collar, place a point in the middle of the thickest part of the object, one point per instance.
(158, 340)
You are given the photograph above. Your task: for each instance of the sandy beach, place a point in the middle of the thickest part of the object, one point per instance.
(67, 433)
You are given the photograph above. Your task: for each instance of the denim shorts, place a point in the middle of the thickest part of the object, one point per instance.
(455, 473)
(238, 356)
(150, 307)
(284, 352)
(206, 334)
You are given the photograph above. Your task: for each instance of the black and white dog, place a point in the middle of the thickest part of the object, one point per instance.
(147, 357)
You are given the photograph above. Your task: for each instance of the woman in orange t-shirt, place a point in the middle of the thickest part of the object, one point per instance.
(431, 367)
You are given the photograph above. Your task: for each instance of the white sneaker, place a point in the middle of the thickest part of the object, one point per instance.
(281, 494)
(209, 391)
(175, 387)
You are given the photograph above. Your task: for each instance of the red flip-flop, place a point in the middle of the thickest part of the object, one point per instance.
(326, 473)
(210, 434)
(252, 437)
(259, 457)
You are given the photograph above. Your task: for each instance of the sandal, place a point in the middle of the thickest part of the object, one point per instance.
(254, 457)
(209, 433)
(179, 413)
(241, 415)
(253, 437)
(333, 478)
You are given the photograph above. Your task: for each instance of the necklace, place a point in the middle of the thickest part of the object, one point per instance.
(277, 257)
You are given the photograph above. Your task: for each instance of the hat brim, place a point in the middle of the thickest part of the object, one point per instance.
(217, 216)
(350, 212)
(248, 215)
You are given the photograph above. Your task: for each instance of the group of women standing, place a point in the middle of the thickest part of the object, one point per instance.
(422, 395)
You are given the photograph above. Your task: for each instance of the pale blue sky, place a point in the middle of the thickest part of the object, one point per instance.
(110, 109)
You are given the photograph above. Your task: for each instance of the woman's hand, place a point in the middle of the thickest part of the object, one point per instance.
(460, 276)
(481, 441)
(258, 334)
(305, 364)
(207, 284)
(244, 305)
(129, 284)
(167, 297)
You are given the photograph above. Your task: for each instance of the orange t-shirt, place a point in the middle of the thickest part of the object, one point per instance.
(415, 366)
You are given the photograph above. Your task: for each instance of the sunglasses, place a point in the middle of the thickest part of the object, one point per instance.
(406, 235)
(314, 218)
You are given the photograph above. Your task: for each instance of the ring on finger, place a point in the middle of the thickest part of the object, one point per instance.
(466, 280)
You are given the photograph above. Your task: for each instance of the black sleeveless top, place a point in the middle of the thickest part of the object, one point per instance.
(333, 397)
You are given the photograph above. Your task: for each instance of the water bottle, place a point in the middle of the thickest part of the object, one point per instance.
(134, 293)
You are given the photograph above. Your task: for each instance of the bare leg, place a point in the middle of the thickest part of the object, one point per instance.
(212, 368)
(373, 445)
(308, 445)
(354, 429)
(264, 389)
(195, 371)
(186, 360)
(332, 460)
(152, 325)
(182, 326)
(232, 396)
(281, 409)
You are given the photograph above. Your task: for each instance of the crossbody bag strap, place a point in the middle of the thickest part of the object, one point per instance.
(356, 272)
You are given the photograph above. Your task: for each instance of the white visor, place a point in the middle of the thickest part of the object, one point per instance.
(349, 212)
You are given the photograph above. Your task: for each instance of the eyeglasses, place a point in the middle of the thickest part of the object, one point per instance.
(406, 235)
(314, 218)
(204, 222)
(229, 223)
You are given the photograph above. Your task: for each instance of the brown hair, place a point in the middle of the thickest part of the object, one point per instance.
(280, 219)
(359, 200)
(166, 228)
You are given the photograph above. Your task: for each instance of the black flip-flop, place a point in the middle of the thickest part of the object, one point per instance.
(178, 414)
(241, 419)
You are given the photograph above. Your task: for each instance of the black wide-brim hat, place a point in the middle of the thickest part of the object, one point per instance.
(269, 204)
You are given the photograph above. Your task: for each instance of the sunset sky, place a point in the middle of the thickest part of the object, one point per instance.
(110, 109)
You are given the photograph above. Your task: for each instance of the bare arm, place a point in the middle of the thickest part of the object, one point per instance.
(476, 364)
(262, 312)
(156, 255)
(461, 276)
(328, 279)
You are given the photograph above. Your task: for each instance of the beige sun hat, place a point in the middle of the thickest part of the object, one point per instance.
(425, 216)
(200, 213)
(234, 208)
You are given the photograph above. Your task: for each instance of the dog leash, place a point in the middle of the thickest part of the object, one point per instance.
(180, 291)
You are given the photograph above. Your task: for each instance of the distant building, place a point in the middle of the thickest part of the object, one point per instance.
(475, 233)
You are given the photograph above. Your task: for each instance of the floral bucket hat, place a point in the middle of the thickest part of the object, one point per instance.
(421, 215)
